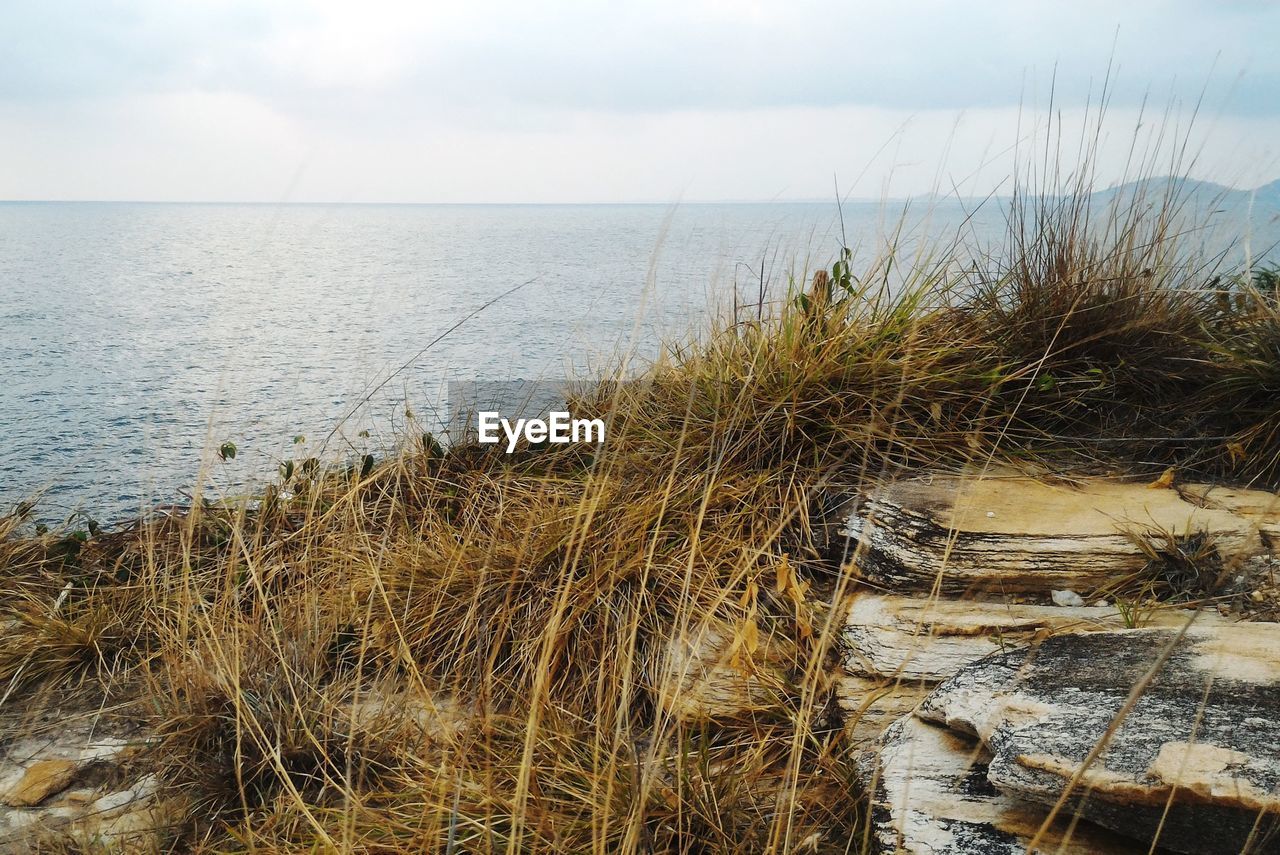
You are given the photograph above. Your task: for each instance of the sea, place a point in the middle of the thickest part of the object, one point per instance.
(138, 340)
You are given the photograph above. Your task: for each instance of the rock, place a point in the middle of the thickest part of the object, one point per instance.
(134, 819)
(40, 780)
(922, 638)
(704, 675)
(37, 767)
(407, 714)
(1066, 599)
(1196, 758)
(60, 791)
(870, 705)
(76, 742)
(1013, 534)
(1262, 507)
(130, 820)
(930, 795)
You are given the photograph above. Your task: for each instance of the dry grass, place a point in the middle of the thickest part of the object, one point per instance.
(482, 652)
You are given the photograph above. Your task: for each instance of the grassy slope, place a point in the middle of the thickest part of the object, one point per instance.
(534, 594)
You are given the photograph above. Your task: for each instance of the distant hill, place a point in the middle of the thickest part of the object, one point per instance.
(1268, 194)
(1196, 194)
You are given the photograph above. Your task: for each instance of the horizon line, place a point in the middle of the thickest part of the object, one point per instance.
(931, 196)
(319, 202)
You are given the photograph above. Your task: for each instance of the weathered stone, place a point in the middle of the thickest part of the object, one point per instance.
(134, 819)
(40, 780)
(73, 742)
(925, 638)
(930, 795)
(1011, 533)
(1194, 759)
(45, 811)
(407, 714)
(870, 705)
(1262, 507)
(1066, 599)
(710, 673)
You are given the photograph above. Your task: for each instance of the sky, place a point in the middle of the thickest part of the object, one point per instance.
(620, 101)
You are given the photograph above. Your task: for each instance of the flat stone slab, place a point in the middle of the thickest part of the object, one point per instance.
(1257, 505)
(40, 780)
(1010, 533)
(36, 767)
(1195, 759)
(930, 795)
(58, 791)
(925, 638)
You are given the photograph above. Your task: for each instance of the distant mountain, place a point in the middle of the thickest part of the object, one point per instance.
(1268, 194)
(1194, 194)
(1189, 191)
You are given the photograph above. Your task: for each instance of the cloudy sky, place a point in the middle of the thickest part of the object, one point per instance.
(610, 100)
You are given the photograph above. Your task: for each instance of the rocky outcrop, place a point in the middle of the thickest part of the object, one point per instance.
(1008, 533)
(1010, 714)
(1259, 506)
(870, 705)
(930, 639)
(1154, 733)
(73, 788)
(930, 794)
(991, 708)
(86, 785)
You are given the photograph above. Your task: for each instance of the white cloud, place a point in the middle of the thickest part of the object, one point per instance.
(573, 100)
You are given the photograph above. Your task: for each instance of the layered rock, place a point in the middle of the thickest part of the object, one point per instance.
(87, 785)
(869, 706)
(929, 639)
(1012, 747)
(1155, 733)
(1262, 507)
(930, 794)
(1012, 534)
(73, 788)
(983, 725)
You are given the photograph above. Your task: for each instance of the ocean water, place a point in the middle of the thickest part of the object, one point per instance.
(137, 338)
(134, 338)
